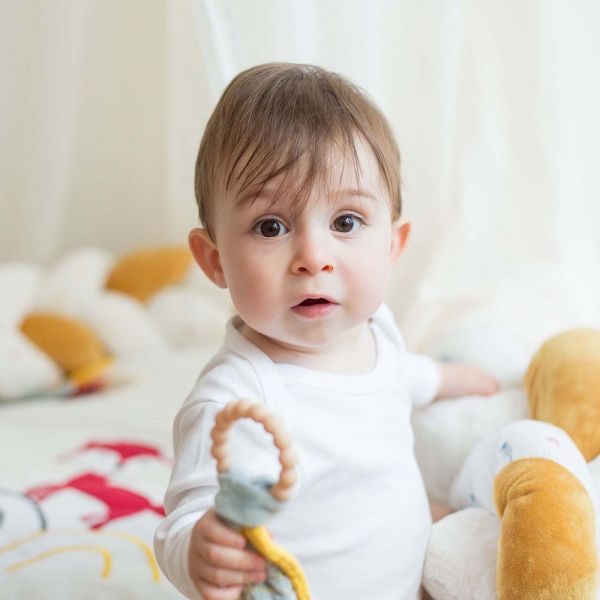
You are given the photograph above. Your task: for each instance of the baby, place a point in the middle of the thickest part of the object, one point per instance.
(298, 189)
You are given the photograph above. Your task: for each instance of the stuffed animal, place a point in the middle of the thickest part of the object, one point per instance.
(73, 346)
(544, 544)
(61, 329)
(547, 545)
(563, 387)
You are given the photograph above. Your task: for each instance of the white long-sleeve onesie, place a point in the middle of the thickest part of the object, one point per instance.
(359, 520)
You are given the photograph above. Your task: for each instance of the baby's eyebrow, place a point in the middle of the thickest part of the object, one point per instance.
(266, 194)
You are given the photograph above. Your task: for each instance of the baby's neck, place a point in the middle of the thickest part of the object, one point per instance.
(355, 354)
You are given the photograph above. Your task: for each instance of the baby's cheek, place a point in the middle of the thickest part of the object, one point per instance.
(251, 290)
(370, 279)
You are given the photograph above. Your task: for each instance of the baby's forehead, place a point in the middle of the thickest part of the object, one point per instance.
(339, 178)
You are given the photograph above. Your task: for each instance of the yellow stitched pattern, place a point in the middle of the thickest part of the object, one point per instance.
(18, 542)
(264, 545)
(126, 536)
(145, 549)
(80, 548)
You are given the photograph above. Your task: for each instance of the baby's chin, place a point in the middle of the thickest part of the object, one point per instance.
(312, 341)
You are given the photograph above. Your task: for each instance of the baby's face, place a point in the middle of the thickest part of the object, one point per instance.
(306, 281)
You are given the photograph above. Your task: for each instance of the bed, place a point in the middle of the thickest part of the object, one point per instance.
(82, 483)
(82, 478)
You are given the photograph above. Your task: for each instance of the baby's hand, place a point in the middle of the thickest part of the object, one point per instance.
(218, 563)
(465, 380)
(439, 511)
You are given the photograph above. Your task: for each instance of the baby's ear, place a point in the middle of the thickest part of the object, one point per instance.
(400, 235)
(207, 256)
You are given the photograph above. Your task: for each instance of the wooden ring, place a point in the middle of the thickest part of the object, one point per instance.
(244, 409)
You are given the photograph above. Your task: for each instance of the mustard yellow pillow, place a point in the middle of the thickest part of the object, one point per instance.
(69, 343)
(142, 274)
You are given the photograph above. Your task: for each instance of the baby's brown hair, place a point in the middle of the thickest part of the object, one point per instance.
(284, 118)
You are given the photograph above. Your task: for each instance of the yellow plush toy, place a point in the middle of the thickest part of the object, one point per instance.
(73, 346)
(547, 547)
(144, 273)
(77, 349)
(563, 386)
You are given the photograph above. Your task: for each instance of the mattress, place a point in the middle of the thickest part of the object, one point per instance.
(82, 483)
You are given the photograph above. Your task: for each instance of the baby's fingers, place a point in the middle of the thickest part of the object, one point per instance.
(489, 385)
(231, 558)
(225, 577)
(211, 592)
(213, 529)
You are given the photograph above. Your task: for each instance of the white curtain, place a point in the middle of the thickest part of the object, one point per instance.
(494, 105)
(87, 121)
(495, 108)
(41, 76)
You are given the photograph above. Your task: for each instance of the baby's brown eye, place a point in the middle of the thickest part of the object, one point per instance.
(270, 228)
(345, 223)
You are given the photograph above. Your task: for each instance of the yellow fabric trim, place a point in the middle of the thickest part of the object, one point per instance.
(281, 558)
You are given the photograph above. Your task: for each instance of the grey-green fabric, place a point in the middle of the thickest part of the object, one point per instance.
(244, 501)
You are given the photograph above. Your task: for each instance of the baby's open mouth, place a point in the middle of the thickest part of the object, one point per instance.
(315, 308)
(310, 301)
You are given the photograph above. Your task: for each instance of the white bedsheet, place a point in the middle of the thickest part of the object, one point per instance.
(53, 547)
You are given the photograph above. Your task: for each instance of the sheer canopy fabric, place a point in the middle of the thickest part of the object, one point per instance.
(494, 105)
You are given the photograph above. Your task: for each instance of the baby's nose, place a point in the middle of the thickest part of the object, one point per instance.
(327, 268)
(312, 259)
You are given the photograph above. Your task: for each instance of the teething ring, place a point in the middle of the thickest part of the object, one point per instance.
(244, 409)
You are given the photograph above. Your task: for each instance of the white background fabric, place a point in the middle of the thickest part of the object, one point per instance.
(494, 105)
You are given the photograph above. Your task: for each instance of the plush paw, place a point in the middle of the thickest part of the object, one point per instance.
(547, 546)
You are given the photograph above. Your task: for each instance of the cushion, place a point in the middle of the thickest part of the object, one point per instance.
(73, 282)
(142, 274)
(24, 368)
(123, 325)
(70, 344)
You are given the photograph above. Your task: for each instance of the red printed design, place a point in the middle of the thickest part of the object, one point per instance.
(124, 450)
(119, 501)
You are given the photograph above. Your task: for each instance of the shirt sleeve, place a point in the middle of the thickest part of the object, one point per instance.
(194, 484)
(423, 378)
(190, 493)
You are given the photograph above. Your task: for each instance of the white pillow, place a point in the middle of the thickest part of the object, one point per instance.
(123, 324)
(24, 369)
(461, 556)
(490, 346)
(74, 281)
(446, 430)
(188, 318)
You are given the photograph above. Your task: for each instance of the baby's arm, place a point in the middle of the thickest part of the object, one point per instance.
(458, 379)
(429, 380)
(194, 548)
